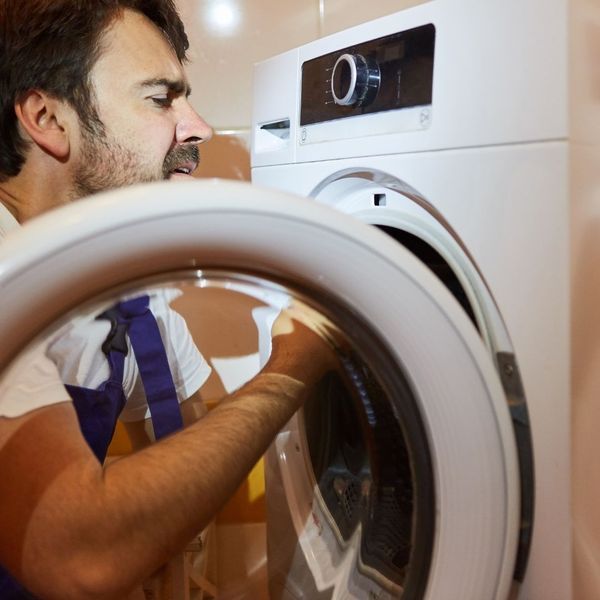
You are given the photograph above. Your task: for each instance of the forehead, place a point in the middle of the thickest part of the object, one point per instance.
(133, 50)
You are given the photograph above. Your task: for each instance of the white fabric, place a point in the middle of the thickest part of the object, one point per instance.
(74, 356)
(7, 222)
(235, 371)
(76, 353)
(30, 383)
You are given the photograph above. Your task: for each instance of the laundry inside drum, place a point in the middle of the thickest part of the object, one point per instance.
(349, 482)
(363, 473)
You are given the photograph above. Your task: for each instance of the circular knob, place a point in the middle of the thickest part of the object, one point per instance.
(354, 80)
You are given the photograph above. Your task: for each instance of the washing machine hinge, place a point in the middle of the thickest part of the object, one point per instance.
(513, 388)
(515, 395)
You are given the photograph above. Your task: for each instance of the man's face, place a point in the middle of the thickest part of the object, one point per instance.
(150, 131)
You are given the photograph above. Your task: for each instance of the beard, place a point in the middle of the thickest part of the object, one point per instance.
(106, 164)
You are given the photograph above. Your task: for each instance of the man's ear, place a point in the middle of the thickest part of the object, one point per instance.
(46, 121)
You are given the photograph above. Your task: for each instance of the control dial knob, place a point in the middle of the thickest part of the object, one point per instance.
(355, 80)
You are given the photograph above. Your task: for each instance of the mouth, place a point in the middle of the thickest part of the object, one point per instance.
(181, 162)
(186, 168)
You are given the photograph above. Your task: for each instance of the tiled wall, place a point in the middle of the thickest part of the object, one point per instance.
(341, 14)
(228, 36)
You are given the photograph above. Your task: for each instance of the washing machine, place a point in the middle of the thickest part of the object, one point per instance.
(467, 132)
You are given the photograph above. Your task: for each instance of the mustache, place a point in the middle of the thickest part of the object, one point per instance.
(179, 155)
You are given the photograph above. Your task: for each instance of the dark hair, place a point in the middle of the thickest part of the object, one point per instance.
(52, 45)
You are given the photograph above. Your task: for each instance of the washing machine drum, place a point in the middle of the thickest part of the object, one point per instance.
(400, 476)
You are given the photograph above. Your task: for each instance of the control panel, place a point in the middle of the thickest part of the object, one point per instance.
(388, 73)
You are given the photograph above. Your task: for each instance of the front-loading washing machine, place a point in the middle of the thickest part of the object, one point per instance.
(466, 131)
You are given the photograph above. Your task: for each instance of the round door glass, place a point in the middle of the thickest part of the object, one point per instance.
(359, 469)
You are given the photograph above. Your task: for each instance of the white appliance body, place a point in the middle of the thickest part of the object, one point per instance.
(497, 155)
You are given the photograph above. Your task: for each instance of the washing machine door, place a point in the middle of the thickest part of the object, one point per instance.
(419, 495)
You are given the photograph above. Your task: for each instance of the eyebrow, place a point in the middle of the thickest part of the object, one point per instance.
(175, 86)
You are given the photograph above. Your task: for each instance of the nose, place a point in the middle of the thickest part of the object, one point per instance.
(191, 128)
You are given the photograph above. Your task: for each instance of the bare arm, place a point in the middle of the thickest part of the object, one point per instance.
(68, 525)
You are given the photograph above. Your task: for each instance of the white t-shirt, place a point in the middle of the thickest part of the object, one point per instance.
(7, 222)
(29, 383)
(76, 351)
(74, 356)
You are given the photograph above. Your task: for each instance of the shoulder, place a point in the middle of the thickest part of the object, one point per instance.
(31, 382)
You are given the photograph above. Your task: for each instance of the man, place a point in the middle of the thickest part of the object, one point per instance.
(93, 95)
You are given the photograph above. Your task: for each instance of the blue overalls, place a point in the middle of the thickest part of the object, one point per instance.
(99, 409)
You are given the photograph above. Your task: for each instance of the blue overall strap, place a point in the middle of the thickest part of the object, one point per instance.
(98, 410)
(152, 362)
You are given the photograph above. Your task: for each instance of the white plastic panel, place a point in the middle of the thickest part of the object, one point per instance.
(500, 76)
(275, 107)
(510, 207)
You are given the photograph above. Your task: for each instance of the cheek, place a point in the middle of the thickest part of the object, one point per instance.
(153, 139)
(144, 132)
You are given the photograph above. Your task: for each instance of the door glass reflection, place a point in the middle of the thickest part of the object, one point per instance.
(330, 511)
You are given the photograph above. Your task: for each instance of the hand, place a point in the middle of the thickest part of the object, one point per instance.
(300, 352)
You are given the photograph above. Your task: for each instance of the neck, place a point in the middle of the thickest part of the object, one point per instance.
(10, 202)
(34, 191)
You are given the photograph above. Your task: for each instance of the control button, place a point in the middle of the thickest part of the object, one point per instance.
(355, 80)
(425, 118)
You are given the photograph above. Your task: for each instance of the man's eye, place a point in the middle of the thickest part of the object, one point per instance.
(162, 101)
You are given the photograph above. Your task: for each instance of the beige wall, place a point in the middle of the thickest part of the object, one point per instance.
(228, 36)
(341, 14)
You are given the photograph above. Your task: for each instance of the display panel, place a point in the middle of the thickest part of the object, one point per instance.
(388, 73)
